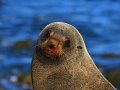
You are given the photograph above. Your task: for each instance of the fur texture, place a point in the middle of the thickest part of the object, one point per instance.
(71, 68)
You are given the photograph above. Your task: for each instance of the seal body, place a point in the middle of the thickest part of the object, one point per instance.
(61, 61)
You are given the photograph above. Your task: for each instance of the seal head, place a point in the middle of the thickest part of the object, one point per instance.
(61, 61)
(55, 43)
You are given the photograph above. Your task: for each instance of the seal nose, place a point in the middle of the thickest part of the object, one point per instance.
(51, 46)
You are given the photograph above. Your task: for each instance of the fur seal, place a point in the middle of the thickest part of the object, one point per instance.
(61, 61)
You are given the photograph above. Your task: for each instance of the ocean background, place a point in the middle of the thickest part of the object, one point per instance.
(22, 20)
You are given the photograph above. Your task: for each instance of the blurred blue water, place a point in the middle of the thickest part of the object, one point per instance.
(97, 20)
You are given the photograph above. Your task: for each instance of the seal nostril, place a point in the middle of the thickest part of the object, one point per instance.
(51, 46)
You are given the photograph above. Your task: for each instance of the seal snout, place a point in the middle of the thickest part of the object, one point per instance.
(53, 48)
(52, 43)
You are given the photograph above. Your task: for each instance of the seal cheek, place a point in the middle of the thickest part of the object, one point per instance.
(53, 48)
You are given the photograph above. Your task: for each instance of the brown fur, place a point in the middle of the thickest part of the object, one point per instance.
(72, 70)
(56, 51)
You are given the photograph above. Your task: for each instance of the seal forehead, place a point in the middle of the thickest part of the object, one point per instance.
(58, 26)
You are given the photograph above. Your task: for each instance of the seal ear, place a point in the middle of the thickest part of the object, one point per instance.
(67, 43)
(79, 47)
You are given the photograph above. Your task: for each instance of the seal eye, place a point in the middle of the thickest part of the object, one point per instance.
(46, 35)
(67, 43)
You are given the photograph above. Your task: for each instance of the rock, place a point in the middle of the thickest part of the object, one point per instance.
(110, 55)
(114, 76)
(14, 79)
(2, 89)
(25, 79)
(25, 44)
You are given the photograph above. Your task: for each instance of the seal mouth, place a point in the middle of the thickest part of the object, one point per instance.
(53, 48)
